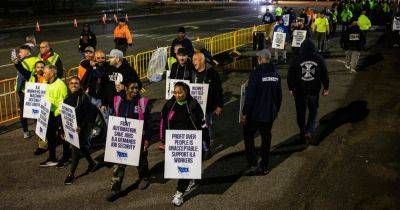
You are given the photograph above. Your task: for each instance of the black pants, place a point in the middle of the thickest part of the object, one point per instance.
(53, 137)
(182, 185)
(77, 154)
(119, 171)
(22, 120)
(302, 103)
(345, 26)
(321, 40)
(249, 131)
(333, 30)
(122, 47)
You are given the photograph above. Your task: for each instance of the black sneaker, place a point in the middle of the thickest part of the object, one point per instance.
(91, 168)
(252, 171)
(63, 164)
(48, 163)
(40, 151)
(70, 178)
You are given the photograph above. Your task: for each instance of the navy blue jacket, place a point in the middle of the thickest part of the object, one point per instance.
(268, 18)
(263, 94)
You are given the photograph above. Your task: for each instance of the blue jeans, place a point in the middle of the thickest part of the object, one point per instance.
(302, 103)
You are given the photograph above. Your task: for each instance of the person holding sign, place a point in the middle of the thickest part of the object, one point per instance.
(305, 75)
(24, 63)
(352, 41)
(86, 114)
(183, 69)
(280, 27)
(300, 33)
(131, 105)
(181, 112)
(261, 107)
(215, 104)
(56, 92)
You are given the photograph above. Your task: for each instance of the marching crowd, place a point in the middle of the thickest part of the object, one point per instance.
(107, 85)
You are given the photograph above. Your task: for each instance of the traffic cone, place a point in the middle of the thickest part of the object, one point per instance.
(104, 19)
(126, 18)
(37, 27)
(115, 18)
(75, 23)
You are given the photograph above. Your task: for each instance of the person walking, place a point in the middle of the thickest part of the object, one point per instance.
(321, 26)
(306, 74)
(87, 39)
(122, 36)
(352, 41)
(261, 107)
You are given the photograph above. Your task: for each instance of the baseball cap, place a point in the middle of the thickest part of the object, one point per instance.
(90, 49)
(264, 53)
(115, 53)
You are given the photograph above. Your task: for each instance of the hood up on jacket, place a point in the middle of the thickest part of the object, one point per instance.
(308, 46)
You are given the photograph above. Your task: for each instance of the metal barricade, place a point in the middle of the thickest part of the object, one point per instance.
(8, 101)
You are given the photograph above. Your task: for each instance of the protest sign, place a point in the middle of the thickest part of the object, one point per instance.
(183, 153)
(278, 41)
(124, 141)
(43, 120)
(169, 85)
(243, 90)
(34, 94)
(298, 37)
(286, 19)
(200, 93)
(396, 24)
(68, 118)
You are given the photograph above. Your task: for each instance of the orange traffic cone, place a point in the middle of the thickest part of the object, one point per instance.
(115, 18)
(37, 28)
(104, 19)
(126, 18)
(75, 23)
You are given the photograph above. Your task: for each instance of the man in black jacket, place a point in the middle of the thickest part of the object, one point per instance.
(183, 69)
(262, 104)
(268, 17)
(117, 71)
(215, 93)
(352, 41)
(306, 73)
(87, 39)
(184, 41)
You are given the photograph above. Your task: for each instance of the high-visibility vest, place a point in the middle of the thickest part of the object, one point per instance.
(364, 23)
(51, 60)
(28, 64)
(278, 11)
(56, 92)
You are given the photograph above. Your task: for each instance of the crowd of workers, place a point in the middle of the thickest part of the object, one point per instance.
(108, 85)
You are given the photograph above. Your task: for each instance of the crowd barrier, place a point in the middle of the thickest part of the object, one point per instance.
(221, 43)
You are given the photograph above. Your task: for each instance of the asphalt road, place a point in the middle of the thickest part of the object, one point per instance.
(355, 166)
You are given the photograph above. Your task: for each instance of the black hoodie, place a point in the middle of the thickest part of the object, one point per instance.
(123, 73)
(308, 71)
(87, 39)
(353, 39)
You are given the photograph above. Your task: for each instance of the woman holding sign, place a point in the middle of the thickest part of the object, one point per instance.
(181, 112)
(86, 114)
(130, 104)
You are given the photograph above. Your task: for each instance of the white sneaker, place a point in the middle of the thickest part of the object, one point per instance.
(192, 183)
(178, 199)
(28, 134)
(352, 71)
(347, 66)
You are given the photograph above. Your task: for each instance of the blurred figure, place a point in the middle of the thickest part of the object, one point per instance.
(87, 39)
(122, 36)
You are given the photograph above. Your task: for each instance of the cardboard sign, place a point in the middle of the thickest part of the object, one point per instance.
(286, 19)
(169, 85)
(396, 24)
(243, 91)
(278, 41)
(69, 123)
(298, 37)
(124, 141)
(43, 120)
(200, 93)
(183, 153)
(34, 94)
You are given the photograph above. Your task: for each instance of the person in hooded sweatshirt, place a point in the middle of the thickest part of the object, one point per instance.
(183, 69)
(181, 112)
(129, 104)
(86, 114)
(87, 39)
(118, 70)
(306, 74)
(352, 41)
(262, 104)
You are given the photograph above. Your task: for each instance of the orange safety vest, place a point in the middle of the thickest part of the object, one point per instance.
(122, 32)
